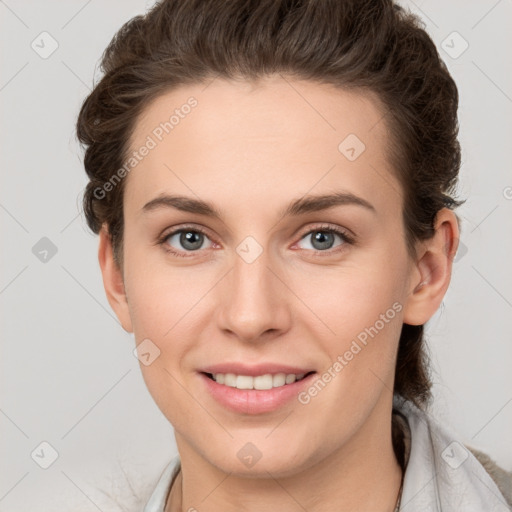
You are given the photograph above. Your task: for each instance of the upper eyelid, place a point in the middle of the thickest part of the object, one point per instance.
(326, 227)
(166, 233)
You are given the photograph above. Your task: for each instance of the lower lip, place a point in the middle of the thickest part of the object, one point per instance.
(254, 401)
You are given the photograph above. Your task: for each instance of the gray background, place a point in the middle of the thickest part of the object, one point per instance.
(68, 375)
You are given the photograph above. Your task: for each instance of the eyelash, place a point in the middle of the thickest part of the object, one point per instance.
(346, 238)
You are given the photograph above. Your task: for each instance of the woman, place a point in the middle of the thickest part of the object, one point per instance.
(272, 183)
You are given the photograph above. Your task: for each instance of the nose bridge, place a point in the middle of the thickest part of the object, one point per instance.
(251, 302)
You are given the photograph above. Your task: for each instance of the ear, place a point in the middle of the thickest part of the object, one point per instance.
(113, 280)
(432, 270)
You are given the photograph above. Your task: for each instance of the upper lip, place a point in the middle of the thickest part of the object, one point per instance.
(254, 370)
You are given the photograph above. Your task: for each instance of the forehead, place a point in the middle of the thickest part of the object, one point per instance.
(238, 141)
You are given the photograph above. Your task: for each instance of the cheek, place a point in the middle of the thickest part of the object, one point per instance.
(355, 313)
(162, 298)
(363, 316)
(345, 301)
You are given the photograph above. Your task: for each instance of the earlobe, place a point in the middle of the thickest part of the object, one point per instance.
(113, 280)
(432, 271)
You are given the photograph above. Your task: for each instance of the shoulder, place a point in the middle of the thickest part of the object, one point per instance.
(441, 469)
(501, 477)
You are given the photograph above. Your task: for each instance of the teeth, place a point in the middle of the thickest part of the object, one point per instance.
(290, 379)
(260, 382)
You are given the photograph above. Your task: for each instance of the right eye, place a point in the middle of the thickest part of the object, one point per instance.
(183, 240)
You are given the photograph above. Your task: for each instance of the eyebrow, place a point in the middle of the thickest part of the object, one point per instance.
(306, 204)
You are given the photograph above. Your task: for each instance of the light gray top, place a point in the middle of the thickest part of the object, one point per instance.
(441, 475)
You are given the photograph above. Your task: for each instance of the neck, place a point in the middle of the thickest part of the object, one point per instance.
(361, 476)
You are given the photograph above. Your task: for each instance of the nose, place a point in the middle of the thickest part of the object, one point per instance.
(254, 301)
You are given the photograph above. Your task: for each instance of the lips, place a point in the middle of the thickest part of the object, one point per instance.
(252, 401)
(260, 399)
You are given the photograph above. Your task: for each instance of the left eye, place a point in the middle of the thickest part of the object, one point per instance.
(322, 239)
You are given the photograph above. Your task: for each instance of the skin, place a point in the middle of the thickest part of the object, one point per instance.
(250, 149)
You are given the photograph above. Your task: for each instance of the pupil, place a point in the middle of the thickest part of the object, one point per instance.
(192, 238)
(321, 237)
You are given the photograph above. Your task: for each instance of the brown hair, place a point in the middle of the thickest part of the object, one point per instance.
(371, 45)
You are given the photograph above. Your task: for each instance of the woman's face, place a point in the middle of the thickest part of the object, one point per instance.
(280, 282)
